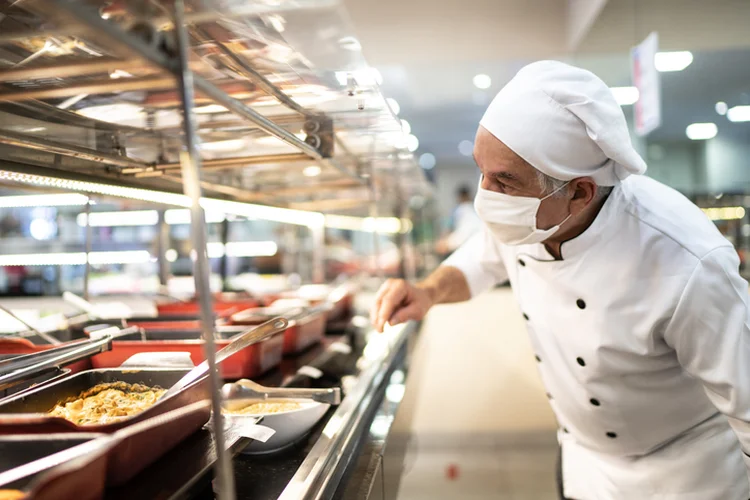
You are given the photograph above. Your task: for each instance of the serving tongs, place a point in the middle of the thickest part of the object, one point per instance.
(20, 368)
(245, 392)
(115, 332)
(239, 342)
(296, 313)
(44, 336)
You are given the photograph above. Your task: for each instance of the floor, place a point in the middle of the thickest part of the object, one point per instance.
(475, 408)
(519, 472)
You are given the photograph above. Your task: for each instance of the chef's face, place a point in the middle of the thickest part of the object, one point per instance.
(505, 172)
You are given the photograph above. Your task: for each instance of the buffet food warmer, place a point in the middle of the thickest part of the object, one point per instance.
(258, 110)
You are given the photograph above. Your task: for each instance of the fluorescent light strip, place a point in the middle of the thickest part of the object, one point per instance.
(217, 250)
(724, 213)
(214, 206)
(175, 216)
(625, 96)
(672, 61)
(179, 200)
(284, 215)
(76, 258)
(701, 131)
(44, 200)
(385, 225)
(118, 219)
(739, 114)
(251, 249)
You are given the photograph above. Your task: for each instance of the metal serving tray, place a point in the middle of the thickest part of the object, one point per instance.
(27, 412)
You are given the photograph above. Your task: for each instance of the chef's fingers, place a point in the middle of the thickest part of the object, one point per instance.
(411, 311)
(392, 301)
(379, 299)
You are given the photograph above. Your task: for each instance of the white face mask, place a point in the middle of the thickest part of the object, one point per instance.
(512, 219)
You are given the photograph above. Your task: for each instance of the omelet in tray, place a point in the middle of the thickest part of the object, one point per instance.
(107, 403)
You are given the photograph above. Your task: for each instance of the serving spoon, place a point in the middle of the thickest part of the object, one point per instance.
(239, 342)
(244, 392)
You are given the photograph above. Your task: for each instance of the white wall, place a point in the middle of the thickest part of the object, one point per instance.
(679, 165)
(727, 165)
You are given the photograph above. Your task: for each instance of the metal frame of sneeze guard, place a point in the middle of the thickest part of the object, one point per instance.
(319, 473)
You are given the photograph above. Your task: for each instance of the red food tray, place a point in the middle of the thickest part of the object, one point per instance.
(299, 335)
(167, 324)
(247, 363)
(221, 307)
(81, 472)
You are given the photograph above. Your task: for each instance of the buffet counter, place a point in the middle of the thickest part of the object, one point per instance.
(341, 456)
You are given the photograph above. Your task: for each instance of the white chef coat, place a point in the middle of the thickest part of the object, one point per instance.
(641, 337)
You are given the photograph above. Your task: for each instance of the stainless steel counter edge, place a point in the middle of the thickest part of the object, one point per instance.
(319, 470)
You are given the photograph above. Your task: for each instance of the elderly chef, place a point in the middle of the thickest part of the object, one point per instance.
(632, 298)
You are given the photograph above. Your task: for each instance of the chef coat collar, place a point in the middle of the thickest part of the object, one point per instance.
(595, 232)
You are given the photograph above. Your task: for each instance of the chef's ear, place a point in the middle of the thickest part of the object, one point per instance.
(584, 192)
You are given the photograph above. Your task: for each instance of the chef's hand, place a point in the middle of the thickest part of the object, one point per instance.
(398, 301)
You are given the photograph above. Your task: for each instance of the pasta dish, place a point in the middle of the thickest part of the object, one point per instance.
(266, 408)
(106, 403)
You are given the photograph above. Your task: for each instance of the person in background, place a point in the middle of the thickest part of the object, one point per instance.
(633, 301)
(465, 223)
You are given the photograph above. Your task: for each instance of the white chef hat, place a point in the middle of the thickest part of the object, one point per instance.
(565, 122)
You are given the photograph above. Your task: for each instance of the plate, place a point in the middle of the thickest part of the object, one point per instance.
(290, 426)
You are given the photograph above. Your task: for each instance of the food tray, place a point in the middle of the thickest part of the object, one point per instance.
(55, 466)
(26, 412)
(222, 308)
(301, 333)
(113, 460)
(340, 298)
(247, 363)
(16, 451)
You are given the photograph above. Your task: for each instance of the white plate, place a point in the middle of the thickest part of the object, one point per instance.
(290, 426)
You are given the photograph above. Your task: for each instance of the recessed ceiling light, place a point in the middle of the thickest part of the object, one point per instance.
(482, 81)
(739, 114)
(466, 148)
(672, 61)
(721, 108)
(393, 104)
(311, 171)
(171, 255)
(427, 161)
(625, 96)
(412, 142)
(701, 131)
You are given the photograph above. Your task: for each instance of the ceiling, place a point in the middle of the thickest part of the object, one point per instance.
(429, 51)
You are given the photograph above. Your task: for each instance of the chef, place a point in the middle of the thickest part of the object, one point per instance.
(636, 311)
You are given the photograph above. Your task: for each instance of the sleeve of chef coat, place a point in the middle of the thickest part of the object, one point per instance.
(480, 260)
(710, 333)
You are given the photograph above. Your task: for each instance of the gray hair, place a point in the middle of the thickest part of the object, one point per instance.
(552, 185)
